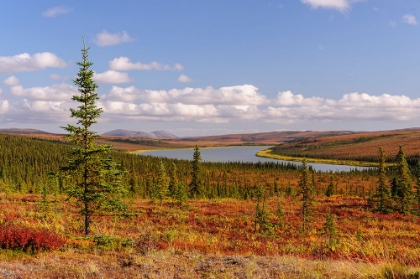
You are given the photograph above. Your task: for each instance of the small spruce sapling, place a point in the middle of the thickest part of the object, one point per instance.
(280, 213)
(330, 188)
(331, 232)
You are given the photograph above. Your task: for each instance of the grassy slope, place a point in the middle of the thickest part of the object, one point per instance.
(269, 153)
(358, 146)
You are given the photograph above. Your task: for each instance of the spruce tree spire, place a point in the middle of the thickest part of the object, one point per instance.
(97, 175)
(404, 190)
(196, 185)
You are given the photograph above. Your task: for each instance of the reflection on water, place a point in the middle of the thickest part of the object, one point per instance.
(238, 154)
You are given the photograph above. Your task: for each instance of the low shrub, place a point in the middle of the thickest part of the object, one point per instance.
(111, 242)
(31, 240)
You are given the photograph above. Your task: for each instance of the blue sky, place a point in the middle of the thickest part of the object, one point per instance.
(214, 67)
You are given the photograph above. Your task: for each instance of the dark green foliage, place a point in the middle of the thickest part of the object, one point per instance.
(132, 185)
(417, 189)
(381, 199)
(262, 215)
(173, 183)
(394, 187)
(113, 243)
(97, 185)
(196, 185)
(330, 231)
(26, 163)
(280, 213)
(162, 183)
(181, 194)
(307, 195)
(330, 188)
(403, 191)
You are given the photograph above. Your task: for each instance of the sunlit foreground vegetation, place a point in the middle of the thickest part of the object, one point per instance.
(247, 223)
(208, 238)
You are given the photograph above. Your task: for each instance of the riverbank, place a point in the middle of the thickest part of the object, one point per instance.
(200, 148)
(267, 153)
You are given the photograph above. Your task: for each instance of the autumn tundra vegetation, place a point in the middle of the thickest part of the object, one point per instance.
(79, 209)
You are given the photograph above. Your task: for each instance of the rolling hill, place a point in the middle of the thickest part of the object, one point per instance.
(160, 134)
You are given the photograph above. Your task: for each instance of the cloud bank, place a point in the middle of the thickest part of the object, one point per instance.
(241, 103)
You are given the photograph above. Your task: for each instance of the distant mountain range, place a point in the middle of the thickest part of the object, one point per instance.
(161, 134)
(21, 131)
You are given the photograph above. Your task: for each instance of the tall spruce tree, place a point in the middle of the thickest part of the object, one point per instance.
(307, 195)
(173, 183)
(417, 187)
(162, 183)
(404, 190)
(330, 188)
(381, 198)
(97, 184)
(196, 185)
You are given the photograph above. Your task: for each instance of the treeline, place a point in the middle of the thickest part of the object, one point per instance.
(411, 159)
(397, 194)
(28, 165)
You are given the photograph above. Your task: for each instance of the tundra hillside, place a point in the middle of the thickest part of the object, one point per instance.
(217, 235)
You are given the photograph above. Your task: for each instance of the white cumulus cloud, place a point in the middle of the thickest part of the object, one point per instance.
(58, 77)
(340, 5)
(28, 63)
(111, 77)
(352, 106)
(107, 39)
(124, 64)
(56, 92)
(178, 67)
(245, 103)
(53, 12)
(229, 95)
(184, 79)
(239, 104)
(11, 81)
(4, 106)
(409, 19)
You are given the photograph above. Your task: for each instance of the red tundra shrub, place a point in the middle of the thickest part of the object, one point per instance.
(30, 240)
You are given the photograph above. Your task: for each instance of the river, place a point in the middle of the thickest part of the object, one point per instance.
(238, 154)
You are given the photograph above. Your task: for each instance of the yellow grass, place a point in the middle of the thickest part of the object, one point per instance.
(267, 153)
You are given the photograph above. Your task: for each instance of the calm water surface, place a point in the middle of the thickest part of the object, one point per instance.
(238, 154)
